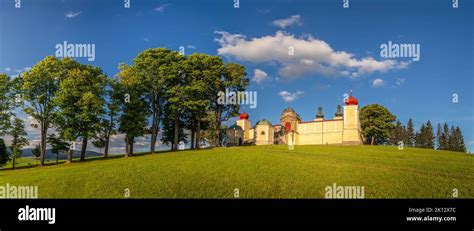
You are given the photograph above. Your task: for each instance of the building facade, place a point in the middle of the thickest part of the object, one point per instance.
(344, 128)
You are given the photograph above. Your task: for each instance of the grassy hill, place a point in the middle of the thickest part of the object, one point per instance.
(258, 172)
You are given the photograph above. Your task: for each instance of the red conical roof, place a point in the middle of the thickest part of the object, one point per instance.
(244, 116)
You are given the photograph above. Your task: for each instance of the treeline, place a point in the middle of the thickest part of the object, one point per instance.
(379, 126)
(161, 91)
(450, 139)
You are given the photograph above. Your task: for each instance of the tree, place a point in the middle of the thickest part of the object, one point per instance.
(425, 137)
(429, 136)
(377, 123)
(196, 101)
(58, 145)
(442, 138)
(175, 109)
(110, 120)
(398, 133)
(6, 104)
(155, 67)
(4, 158)
(19, 139)
(447, 137)
(81, 104)
(36, 152)
(38, 88)
(409, 134)
(457, 143)
(133, 120)
(234, 78)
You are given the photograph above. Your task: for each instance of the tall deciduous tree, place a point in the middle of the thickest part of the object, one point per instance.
(133, 120)
(4, 157)
(155, 67)
(110, 120)
(235, 80)
(377, 123)
(6, 104)
(38, 89)
(81, 104)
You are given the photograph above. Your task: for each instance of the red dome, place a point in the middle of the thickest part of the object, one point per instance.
(352, 100)
(244, 116)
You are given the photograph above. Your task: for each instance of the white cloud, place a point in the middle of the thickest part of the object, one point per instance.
(8, 69)
(378, 83)
(310, 56)
(161, 8)
(290, 97)
(72, 14)
(400, 81)
(191, 47)
(283, 23)
(259, 76)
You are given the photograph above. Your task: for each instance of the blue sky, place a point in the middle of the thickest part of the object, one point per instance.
(324, 33)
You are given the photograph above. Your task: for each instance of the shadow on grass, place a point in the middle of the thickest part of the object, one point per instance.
(92, 158)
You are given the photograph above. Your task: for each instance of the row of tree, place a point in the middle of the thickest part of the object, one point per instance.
(450, 139)
(379, 127)
(161, 91)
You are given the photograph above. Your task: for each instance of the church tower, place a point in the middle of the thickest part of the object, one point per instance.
(244, 123)
(352, 129)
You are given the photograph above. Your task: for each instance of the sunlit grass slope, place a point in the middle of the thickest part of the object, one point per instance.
(258, 172)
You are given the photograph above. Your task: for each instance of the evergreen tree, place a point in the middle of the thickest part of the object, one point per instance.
(429, 136)
(409, 134)
(458, 138)
(419, 139)
(442, 137)
(19, 139)
(452, 139)
(397, 133)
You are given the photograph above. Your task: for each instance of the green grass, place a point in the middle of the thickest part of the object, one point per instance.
(258, 172)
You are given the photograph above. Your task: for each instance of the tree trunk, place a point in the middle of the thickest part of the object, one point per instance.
(130, 148)
(218, 126)
(107, 137)
(106, 148)
(13, 163)
(83, 148)
(372, 140)
(126, 145)
(193, 137)
(155, 125)
(69, 155)
(198, 135)
(43, 143)
(175, 134)
(57, 158)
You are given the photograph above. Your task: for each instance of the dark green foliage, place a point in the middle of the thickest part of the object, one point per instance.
(377, 123)
(4, 158)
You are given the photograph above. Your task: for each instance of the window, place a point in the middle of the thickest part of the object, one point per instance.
(262, 133)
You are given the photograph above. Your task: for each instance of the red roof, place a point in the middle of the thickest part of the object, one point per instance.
(244, 116)
(352, 100)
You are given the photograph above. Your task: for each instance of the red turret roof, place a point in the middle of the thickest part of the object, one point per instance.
(244, 116)
(352, 100)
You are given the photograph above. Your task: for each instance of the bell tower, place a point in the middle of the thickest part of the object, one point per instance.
(351, 129)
